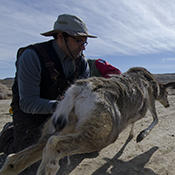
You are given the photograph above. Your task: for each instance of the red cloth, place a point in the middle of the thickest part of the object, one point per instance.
(105, 68)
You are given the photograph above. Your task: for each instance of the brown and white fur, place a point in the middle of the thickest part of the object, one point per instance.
(90, 117)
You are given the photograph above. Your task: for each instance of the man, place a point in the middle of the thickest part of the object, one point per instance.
(44, 72)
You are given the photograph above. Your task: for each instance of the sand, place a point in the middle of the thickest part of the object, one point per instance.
(155, 155)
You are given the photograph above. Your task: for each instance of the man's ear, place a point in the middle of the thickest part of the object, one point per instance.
(60, 36)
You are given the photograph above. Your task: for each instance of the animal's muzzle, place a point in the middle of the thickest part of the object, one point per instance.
(167, 106)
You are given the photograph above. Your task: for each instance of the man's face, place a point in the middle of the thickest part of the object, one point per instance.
(76, 45)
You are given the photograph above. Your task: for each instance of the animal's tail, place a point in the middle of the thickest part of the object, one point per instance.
(60, 116)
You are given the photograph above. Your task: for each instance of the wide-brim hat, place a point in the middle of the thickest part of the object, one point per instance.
(72, 25)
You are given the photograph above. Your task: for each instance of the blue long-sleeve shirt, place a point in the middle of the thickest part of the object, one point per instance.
(29, 77)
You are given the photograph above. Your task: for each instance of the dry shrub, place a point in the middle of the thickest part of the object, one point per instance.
(4, 92)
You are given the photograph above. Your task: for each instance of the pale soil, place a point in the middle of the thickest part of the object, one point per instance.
(155, 155)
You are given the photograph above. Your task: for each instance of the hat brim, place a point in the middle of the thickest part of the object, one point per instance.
(72, 33)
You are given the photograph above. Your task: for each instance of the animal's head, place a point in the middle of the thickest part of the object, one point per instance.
(162, 94)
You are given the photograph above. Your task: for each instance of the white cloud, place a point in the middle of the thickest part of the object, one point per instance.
(161, 68)
(132, 27)
(168, 60)
(123, 27)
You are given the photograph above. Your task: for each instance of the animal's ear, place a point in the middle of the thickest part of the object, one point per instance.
(170, 85)
(156, 88)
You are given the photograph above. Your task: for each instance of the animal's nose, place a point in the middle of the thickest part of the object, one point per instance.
(167, 106)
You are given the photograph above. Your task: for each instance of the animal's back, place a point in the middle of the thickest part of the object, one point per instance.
(99, 101)
(112, 97)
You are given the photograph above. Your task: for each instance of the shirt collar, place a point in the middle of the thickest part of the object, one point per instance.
(58, 50)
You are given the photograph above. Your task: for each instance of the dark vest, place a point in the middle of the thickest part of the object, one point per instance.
(27, 127)
(53, 82)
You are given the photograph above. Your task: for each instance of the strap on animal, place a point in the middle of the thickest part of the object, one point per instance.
(48, 63)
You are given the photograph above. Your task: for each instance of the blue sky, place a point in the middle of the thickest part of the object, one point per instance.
(130, 32)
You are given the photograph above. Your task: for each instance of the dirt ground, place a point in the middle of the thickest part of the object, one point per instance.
(155, 155)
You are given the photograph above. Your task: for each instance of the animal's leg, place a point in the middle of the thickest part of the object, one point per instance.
(131, 134)
(145, 132)
(162, 98)
(59, 147)
(50, 158)
(15, 163)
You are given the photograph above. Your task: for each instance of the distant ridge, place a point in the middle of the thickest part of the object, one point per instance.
(8, 78)
(162, 78)
(8, 82)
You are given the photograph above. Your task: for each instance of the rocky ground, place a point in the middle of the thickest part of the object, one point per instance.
(155, 155)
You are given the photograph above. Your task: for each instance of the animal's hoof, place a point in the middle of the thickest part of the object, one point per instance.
(141, 136)
(60, 123)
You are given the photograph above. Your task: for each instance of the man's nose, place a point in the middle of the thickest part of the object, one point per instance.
(82, 47)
